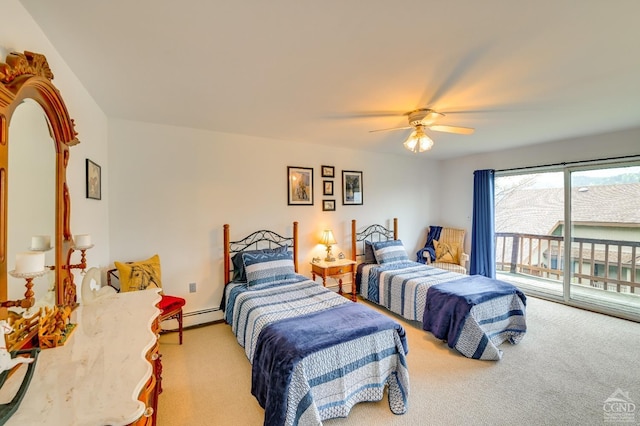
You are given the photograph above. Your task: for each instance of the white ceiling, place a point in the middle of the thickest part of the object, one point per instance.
(321, 71)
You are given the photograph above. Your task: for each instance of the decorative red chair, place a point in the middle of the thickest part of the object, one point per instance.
(171, 308)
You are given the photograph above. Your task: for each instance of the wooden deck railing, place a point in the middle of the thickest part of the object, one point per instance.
(607, 264)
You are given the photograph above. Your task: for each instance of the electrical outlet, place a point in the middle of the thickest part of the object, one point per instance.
(192, 287)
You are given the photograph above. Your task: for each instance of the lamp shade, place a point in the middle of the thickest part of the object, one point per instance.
(327, 237)
(418, 141)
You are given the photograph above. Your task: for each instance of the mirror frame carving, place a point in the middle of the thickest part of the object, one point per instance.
(28, 76)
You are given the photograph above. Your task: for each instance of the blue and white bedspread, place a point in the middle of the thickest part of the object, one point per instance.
(327, 380)
(450, 308)
(403, 289)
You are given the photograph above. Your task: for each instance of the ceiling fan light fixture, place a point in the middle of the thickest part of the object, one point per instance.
(421, 119)
(418, 141)
(424, 116)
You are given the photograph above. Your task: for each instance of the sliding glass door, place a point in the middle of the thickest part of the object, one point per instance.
(604, 267)
(600, 268)
(529, 214)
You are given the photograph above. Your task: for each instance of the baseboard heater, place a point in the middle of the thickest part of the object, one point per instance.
(194, 313)
(200, 312)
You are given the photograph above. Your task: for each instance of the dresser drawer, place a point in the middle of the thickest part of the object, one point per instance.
(336, 270)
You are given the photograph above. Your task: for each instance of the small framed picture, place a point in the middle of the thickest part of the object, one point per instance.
(94, 181)
(328, 205)
(328, 171)
(351, 188)
(327, 187)
(300, 186)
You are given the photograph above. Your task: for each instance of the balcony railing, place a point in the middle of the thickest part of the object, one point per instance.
(606, 264)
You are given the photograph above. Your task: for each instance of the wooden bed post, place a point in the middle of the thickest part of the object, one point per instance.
(395, 228)
(353, 240)
(295, 246)
(226, 254)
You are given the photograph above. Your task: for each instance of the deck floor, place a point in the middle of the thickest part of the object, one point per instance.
(608, 302)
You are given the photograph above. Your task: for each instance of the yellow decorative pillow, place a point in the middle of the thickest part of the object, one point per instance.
(139, 275)
(446, 253)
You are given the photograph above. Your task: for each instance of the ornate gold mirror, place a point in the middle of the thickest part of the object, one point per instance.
(31, 208)
(25, 83)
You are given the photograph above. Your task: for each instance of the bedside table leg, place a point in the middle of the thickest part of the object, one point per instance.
(340, 286)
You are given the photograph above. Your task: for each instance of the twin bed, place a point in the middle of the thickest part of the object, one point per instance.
(473, 314)
(314, 353)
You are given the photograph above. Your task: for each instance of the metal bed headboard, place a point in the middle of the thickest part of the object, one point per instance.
(257, 240)
(371, 233)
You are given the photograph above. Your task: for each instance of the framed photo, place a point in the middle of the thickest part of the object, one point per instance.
(328, 205)
(328, 171)
(327, 187)
(94, 181)
(351, 188)
(300, 186)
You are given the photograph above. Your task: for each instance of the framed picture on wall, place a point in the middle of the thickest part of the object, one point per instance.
(351, 188)
(328, 171)
(328, 205)
(299, 186)
(327, 187)
(94, 180)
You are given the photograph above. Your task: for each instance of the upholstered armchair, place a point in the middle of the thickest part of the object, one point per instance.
(445, 249)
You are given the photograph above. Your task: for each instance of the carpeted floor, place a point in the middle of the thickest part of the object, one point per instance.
(561, 373)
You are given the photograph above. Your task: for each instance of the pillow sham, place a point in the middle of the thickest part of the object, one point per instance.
(390, 252)
(446, 253)
(369, 256)
(266, 268)
(239, 273)
(139, 275)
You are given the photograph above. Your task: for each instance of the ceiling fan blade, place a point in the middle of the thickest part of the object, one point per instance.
(393, 128)
(453, 129)
(455, 76)
(369, 114)
(478, 111)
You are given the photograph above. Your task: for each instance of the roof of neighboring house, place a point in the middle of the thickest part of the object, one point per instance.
(537, 211)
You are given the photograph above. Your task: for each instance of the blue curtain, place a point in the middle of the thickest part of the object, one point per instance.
(483, 246)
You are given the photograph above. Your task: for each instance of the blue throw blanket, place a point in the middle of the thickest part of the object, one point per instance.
(281, 345)
(434, 234)
(448, 304)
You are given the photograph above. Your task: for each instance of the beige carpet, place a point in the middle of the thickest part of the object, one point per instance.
(561, 373)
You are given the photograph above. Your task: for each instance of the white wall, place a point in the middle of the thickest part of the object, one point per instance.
(456, 175)
(172, 189)
(19, 32)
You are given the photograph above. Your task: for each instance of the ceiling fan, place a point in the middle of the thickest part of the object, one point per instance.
(422, 118)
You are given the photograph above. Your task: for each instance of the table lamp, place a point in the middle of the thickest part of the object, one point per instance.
(328, 240)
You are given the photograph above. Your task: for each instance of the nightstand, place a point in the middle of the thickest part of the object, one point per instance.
(336, 269)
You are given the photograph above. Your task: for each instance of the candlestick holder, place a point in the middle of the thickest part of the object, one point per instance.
(29, 299)
(32, 248)
(83, 258)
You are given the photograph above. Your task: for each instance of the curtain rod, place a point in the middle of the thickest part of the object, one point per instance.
(567, 163)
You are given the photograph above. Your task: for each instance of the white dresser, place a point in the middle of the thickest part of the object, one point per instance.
(108, 372)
